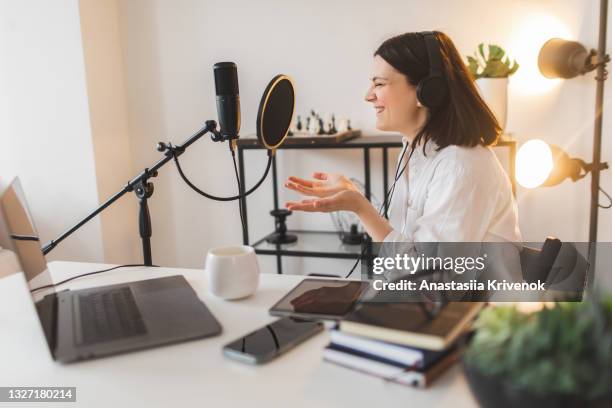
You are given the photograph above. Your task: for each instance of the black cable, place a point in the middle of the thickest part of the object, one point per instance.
(212, 197)
(87, 274)
(605, 207)
(17, 237)
(398, 176)
(386, 201)
(242, 223)
(365, 246)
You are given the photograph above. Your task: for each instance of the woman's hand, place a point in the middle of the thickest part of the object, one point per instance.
(335, 192)
(345, 200)
(324, 185)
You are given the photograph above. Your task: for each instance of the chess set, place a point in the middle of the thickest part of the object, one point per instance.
(314, 129)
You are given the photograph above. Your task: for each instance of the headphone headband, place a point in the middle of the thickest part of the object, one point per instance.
(433, 89)
(433, 53)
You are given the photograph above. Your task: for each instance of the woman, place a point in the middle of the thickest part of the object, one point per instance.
(449, 184)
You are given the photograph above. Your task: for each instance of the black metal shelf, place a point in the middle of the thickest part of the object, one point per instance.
(316, 244)
(330, 239)
(366, 141)
(384, 142)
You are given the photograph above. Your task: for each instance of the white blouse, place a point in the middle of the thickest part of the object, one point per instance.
(457, 194)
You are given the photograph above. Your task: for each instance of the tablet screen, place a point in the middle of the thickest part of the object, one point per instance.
(326, 298)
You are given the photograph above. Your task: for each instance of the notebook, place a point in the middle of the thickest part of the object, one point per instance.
(410, 323)
(404, 375)
(383, 351)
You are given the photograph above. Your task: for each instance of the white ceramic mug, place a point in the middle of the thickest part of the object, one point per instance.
(232, 272)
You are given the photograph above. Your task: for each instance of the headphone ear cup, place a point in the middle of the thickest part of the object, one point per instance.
(432, 92)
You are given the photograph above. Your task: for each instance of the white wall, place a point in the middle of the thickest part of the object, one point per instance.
(170, 47)
(45, 136)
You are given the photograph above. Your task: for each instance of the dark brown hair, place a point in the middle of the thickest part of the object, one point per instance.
(464, 119)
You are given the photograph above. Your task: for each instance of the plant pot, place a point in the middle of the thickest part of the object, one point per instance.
(495, 93)
(497, 392)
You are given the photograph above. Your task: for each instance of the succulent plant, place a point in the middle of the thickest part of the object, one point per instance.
(492, 63)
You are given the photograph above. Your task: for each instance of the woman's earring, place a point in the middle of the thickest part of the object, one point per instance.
(419, 105)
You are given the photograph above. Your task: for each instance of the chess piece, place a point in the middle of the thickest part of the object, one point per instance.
(327, 124)
(332, 126)
(321, 130)
(313, 126)
(298, 125)
(348, 125)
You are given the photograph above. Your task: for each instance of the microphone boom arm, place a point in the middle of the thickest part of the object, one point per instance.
(143, 190)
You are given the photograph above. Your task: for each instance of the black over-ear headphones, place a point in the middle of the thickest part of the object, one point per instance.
(432, 90)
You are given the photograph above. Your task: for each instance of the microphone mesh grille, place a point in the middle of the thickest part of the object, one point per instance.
(226, 78)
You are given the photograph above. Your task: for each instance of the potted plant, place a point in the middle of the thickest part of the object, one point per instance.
(491, 69)
(560, 356)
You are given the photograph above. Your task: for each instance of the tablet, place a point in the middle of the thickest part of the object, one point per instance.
(327, 299)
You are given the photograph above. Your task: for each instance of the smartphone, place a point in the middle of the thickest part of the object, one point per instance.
(263, 345)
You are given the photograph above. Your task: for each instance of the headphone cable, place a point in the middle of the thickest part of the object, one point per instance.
(386, 202)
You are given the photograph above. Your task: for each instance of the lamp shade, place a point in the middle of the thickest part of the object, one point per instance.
(541, 164)
(562, 59)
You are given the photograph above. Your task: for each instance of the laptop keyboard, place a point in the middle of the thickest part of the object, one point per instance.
(109, 315)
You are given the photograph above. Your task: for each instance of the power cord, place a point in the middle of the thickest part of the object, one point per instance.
(87, 274)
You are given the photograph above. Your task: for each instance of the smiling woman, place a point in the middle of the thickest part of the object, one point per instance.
(449, 185)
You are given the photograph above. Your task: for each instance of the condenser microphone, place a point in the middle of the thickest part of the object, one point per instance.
(228, 99)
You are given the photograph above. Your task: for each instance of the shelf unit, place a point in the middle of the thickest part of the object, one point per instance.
(327, 244)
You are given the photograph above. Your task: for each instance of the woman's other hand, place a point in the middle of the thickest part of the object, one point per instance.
(323, 185)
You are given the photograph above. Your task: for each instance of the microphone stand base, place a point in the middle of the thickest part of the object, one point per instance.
(278, 238)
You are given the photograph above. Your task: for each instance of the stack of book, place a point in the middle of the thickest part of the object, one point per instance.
(405, 343)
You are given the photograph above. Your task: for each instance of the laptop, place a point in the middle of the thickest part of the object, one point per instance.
(106, 320)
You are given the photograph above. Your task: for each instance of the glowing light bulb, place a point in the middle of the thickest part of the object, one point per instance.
(528, 38)
(534, 162)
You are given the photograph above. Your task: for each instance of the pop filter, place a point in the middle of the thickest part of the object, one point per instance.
(275, 112)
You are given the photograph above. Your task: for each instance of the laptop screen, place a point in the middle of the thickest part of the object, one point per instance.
(18, 234)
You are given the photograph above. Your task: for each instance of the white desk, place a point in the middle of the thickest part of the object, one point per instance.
(196, 373)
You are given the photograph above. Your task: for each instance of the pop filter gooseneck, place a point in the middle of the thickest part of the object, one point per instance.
(274, 117)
